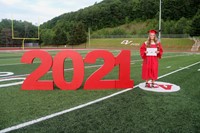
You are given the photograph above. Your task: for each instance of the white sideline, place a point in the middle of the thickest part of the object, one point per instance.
(82, 106)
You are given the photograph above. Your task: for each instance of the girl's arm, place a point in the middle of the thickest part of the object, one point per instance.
(143, 51)
(160, 49)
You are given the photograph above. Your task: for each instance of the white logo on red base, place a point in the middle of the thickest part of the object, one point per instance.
(160, 87)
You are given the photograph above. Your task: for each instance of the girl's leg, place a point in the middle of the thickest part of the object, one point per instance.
(153, 85)
(146, 85)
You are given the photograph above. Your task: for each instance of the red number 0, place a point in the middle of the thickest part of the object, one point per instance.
(58, 70)
(95, 81)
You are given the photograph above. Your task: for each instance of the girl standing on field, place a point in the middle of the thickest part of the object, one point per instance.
(150, 61)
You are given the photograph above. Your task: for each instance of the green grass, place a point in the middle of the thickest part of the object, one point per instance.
(183, 44)
(133, 111)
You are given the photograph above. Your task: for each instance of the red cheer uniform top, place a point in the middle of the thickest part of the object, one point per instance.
(150, 63)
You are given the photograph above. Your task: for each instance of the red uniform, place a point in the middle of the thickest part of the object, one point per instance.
(150, 63)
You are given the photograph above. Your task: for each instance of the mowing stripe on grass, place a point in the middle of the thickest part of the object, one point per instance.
(16, 76)
(40, 62)
(115, 51)
(82, 105)
(132, 62)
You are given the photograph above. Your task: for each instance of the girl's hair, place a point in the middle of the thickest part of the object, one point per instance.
(149, 41)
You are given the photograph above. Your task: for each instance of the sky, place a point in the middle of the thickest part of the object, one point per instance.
(39, 11)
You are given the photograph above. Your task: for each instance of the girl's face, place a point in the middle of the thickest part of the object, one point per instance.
(152, 36)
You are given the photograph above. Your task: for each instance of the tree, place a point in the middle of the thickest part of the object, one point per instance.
(47, 36)
(60, 36)
(77, 34)
(148, 9)
(182, 26)
(60, 33)
(195, 27)
(6, 36)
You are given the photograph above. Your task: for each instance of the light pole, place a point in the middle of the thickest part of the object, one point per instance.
(159, 36)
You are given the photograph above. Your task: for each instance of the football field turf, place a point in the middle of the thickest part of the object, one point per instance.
(134, 110)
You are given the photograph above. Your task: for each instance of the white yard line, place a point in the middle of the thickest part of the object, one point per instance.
(82, 105)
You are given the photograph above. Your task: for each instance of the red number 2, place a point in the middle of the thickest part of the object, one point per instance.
(94, 81)
(32, 82)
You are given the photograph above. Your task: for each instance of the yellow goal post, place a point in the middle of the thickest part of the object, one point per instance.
(23, 38)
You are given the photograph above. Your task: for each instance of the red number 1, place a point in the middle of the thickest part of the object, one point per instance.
(123, 60)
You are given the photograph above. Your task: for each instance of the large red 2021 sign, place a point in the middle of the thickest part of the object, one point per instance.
(94, 81)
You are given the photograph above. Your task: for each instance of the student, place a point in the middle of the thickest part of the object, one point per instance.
(150, 62)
